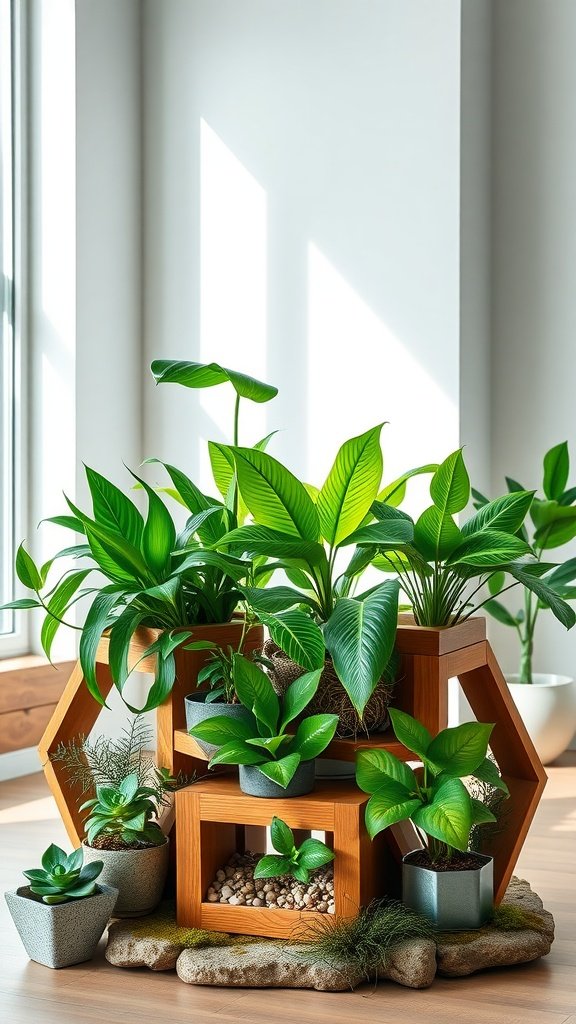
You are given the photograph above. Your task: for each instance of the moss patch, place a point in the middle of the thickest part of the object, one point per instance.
(162, 925)
(506, 918)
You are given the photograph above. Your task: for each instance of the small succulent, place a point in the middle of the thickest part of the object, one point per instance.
(63, 878)
(126, 812)
(297, 861)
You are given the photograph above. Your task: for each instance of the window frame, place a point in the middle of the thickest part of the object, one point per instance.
(17, 642)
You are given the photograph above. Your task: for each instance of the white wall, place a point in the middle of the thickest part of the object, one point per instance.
(302, 220)
(533, 259)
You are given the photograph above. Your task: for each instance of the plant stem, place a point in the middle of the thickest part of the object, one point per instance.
(236, 419)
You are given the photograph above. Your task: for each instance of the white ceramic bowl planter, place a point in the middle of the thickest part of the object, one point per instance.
(547, 707)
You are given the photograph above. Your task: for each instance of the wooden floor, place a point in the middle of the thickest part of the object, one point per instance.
(541, 993)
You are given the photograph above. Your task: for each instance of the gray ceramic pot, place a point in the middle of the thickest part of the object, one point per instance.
(254, 783)
(64, 933)
(139, 876)
(454, 900)
(197, 710)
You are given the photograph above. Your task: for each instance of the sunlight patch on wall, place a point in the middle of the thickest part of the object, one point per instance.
(233, 283)
(361, 374)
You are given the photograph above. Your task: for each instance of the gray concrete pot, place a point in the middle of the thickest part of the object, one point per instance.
(61, 934)
(139, 876)
(254, 783)
(197, 710)
(454, 900)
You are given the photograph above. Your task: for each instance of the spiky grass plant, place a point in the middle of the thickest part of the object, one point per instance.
(365, 941)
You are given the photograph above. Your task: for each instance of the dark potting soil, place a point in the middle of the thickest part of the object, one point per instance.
(103, 842)
(458, 861)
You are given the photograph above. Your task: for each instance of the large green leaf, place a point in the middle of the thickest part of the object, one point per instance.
(274, 599)
(562, 611)
(389, 805)
(299, 637)
(488, 772)
(313, 735)
(221, 729)
(207, 375)
(120, 638)
(260, 540)
(555, 524)
(375, 767)
(360, 637)
(435, 534)
(57, 605)
(386, 534)
(488, 549)
(499, 612)
(195, 501)
(271, 866)
(121, 553)
(505, 514)
(274, 496)
(351, 486)
(26, 570)
(459, 751)
(159, 534)
(449, 816)
(410, 732)
(235, 752)
(281, 772)
(96, 622)
(313, 854)
(450, 485)
(199, 559)
(113, 509)
(395, 492)
(282, 836)
(556, 469)
(256, 692)
(298, 695)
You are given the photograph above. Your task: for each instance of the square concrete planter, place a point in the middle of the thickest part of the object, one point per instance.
(61, 934)
(454, 900)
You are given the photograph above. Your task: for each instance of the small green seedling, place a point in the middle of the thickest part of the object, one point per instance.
(292, 860)
(63, 878)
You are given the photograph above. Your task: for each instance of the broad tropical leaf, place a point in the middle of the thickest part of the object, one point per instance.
(299, 637)
(488, 772)
(385, 534)
(282, 836)
(57, 605)
(207, 375)
(113, 509)
(256, 692)
(94, 626)
(26, 570)
(499, 612)
(159, 534)
(449, 816)
(282, 772)
(450, 485)
(274, 599)
(505, 514)
(236, 752)
(556, 469)
(488, 549)
(298, 696)
(314, 734)
(274, 496)
(388, 806)
(221, 729)
(436, 534)
(260, 540)
(313, 854)
(395, 492)
(481, 815)
(459, 751)
(375, 767)
(360, 638)
(351, 486)
(562, 611)
(411, 733)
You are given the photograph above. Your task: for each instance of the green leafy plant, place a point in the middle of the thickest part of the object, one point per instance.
(154, 574)
(433, 797)
(553, 517)
(63, 877)
(264, 741)
(124, 812)
(297, 861)
(303, 532)
(364, 942)
(442, 567)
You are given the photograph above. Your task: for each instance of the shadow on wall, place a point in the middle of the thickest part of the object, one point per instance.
(302, 218)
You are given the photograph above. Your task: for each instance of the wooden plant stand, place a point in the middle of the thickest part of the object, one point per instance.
(77, 711)
(210, 820)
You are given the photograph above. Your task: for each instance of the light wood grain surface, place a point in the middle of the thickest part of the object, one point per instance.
(541, 993)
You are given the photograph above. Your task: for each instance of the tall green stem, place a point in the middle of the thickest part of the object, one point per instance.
(527, 638)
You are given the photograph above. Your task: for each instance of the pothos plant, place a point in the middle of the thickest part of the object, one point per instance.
(433, 797)
(553, 518)
(150, 573)
(289, 859)
(443, 567)
(304, 531)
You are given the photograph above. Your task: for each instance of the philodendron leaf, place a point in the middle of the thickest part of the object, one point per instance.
(351, 486)
(236, 752)
(298, 695)
(562, 611)
(450, 485)
(281, 772)
(271, 866)
(505, 514)
(394, 493)
(256, 692)
(274, 496)
(499, 612)
(282, 836)
(207, 375)
(436, 534)
(449, 816)
(360, 637)
(374, 768)
(411, 733)
(94, 625)
(488, 772)
(299, 637)
(26, 570)
(57, 606)
(481, 814)
(556, 469)
(113, 509)
(313, 854)
(260, 540)
(220, 729)
(314, 734)
(388, 534)
(274, 599)
(488, 549)
(459, 751)
(389, 805)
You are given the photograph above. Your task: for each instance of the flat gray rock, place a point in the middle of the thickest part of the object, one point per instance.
(463, 953)
(127, 949)
(262, 964)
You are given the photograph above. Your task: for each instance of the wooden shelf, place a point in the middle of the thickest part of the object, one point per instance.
(339, 749)
(186, 744)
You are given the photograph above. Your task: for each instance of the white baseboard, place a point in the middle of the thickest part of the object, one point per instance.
(19, 762)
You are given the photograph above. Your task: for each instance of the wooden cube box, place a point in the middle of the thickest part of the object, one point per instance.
(210, 821)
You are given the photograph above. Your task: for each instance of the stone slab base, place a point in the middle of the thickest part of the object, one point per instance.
(522, 931)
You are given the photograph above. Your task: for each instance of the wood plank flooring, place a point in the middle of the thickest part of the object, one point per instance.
(541, 993)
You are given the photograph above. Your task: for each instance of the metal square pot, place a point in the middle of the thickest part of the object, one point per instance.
(61, 934)
(454, 900)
